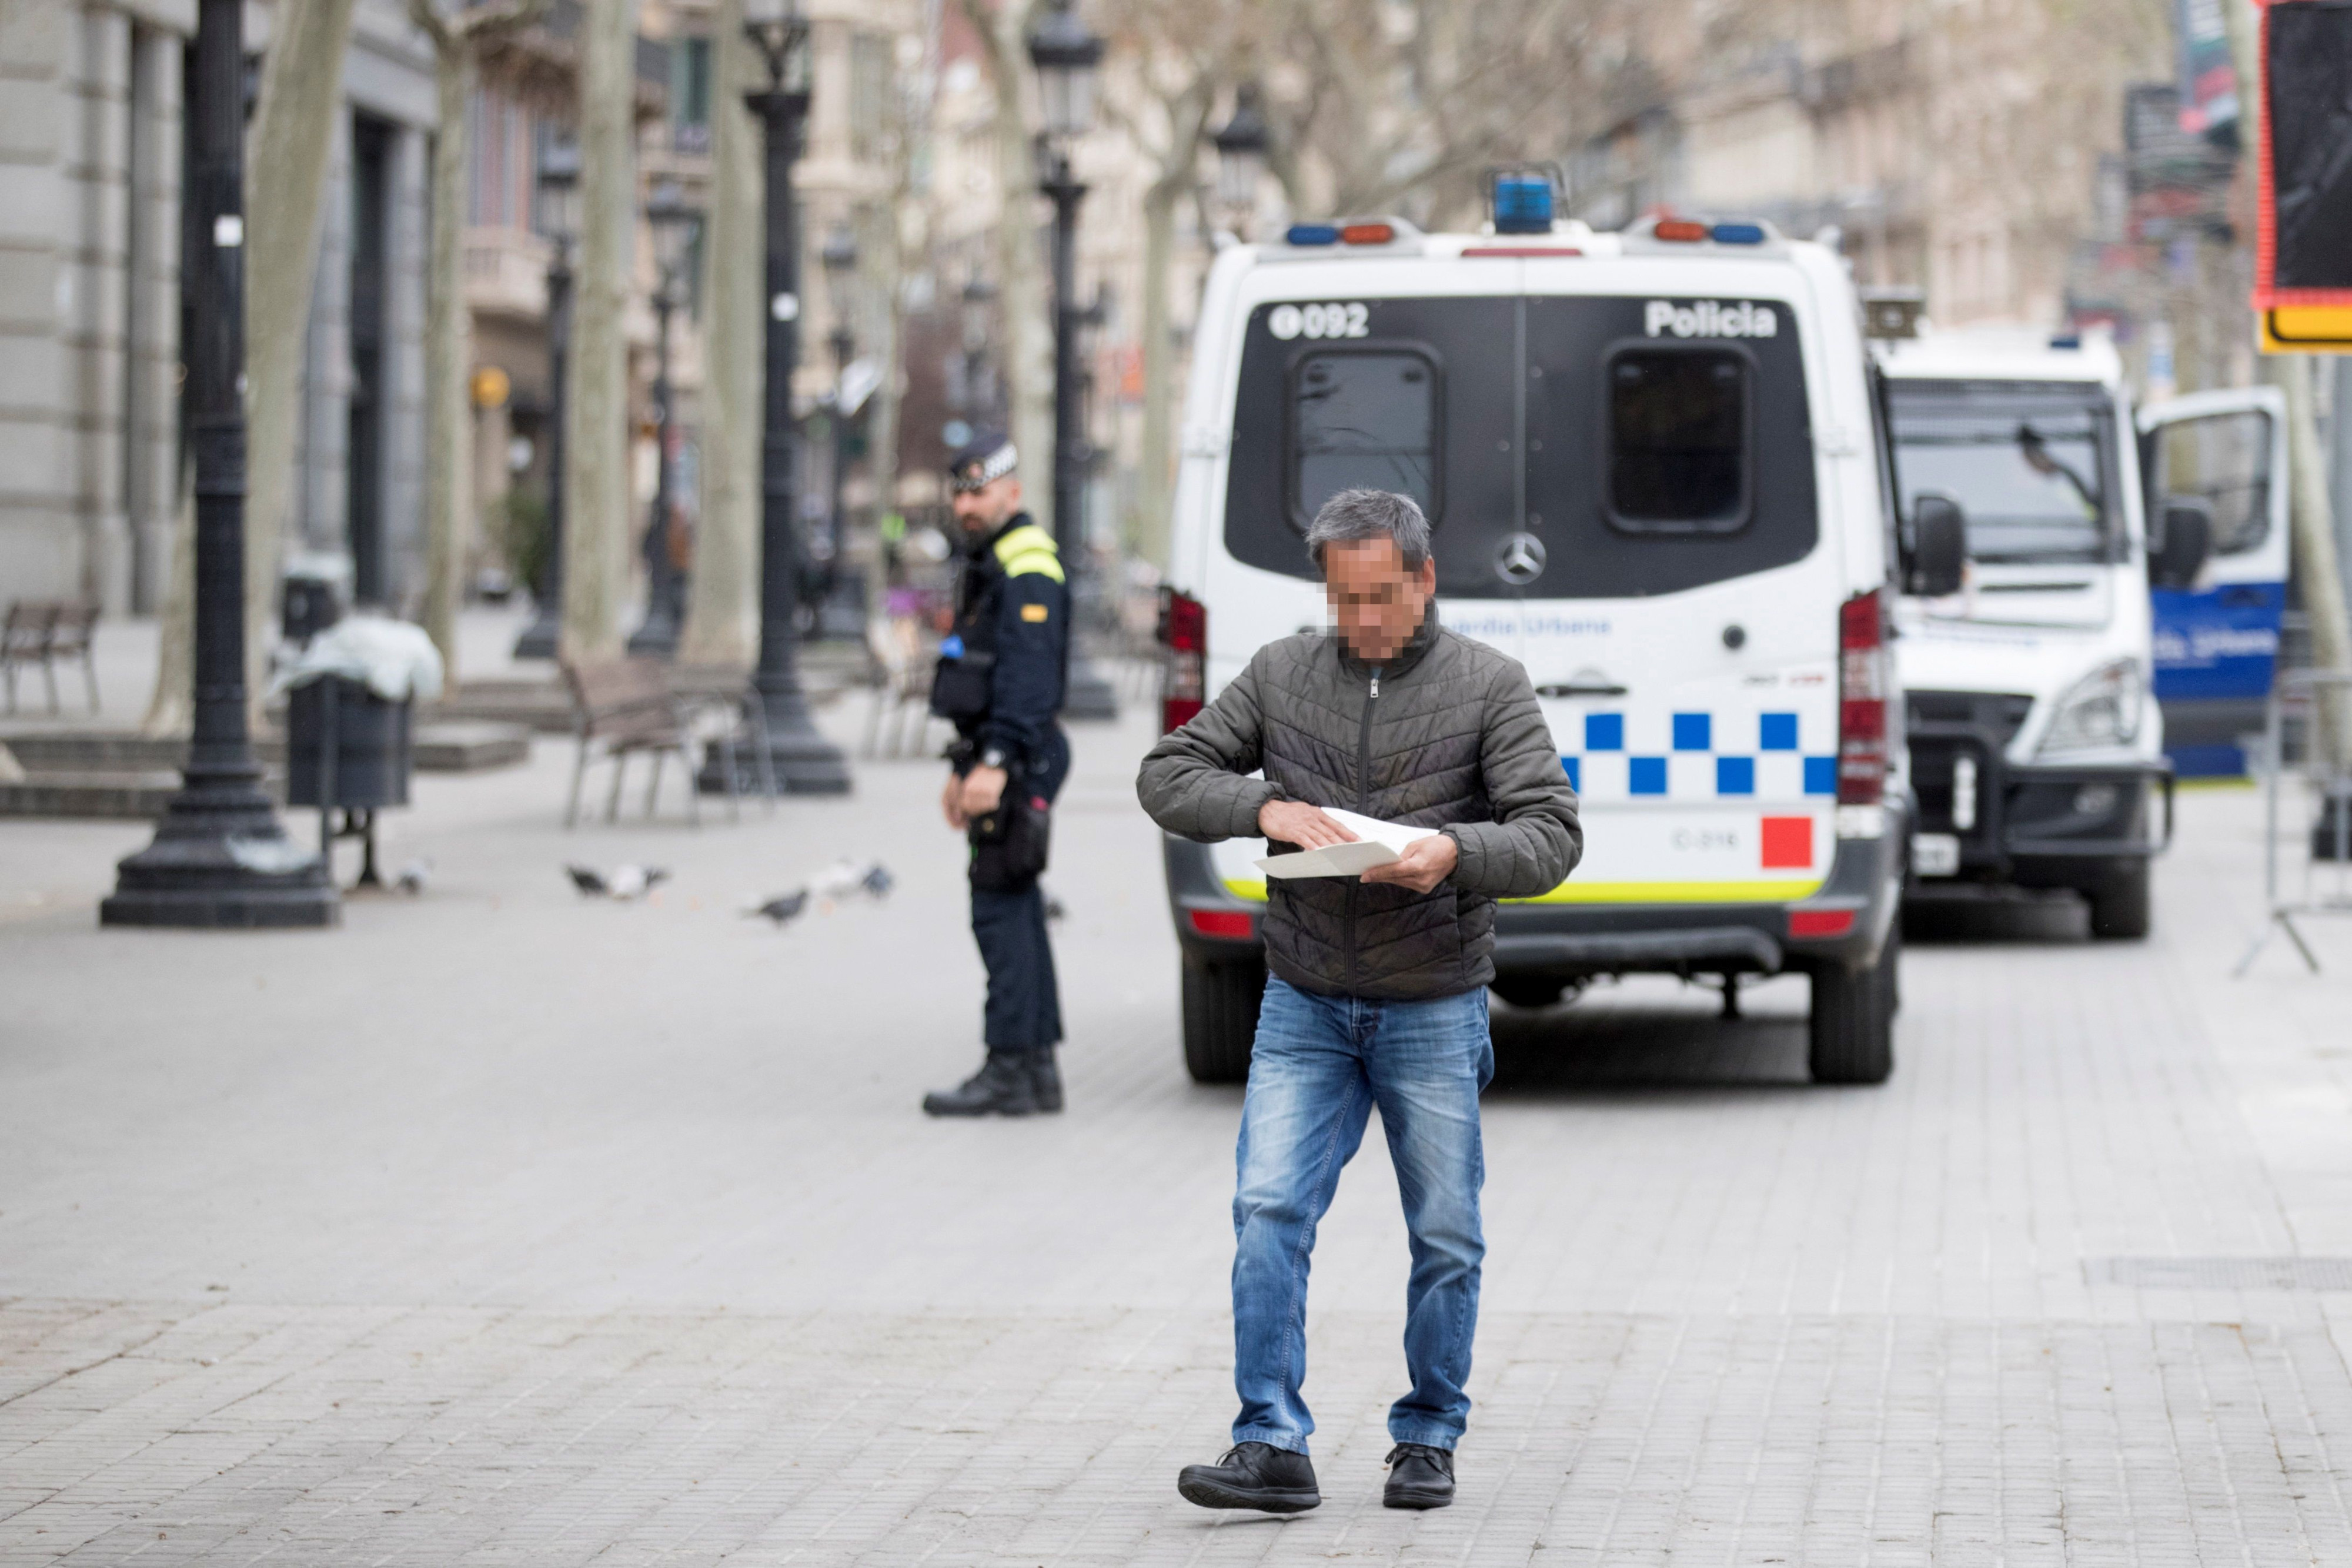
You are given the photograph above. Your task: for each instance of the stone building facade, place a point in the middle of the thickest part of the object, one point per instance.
(91, 111)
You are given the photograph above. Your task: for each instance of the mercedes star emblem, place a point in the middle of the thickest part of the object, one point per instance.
(1520, 559)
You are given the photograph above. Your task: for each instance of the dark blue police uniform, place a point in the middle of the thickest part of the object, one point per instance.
(1000, 681)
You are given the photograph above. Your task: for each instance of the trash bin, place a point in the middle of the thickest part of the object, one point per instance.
(351, 692)
(347, 748)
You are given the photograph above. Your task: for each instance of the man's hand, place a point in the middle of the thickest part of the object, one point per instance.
(983, 788)
(1425, 863)
(952, 801)
(1297, 822)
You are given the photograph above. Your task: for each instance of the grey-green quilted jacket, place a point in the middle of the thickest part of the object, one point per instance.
(1448, 736)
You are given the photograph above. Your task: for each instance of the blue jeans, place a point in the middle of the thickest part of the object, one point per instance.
(1321, 1064)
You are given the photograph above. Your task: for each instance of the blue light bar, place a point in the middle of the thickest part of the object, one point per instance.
(1737, 234)
(1522, 203)
(1312, 234)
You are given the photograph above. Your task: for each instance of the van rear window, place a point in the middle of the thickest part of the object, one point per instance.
(1362, 418)
(1637, 461)
(1678, 440)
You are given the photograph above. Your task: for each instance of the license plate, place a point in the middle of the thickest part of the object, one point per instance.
(1934, 854)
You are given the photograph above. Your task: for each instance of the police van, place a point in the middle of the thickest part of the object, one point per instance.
(1652, 467)
(2037, 749)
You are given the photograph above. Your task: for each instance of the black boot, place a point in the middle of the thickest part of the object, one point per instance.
(1253, 1475)
(1045, 1078)
(1418, 1477)
(1002, 1087)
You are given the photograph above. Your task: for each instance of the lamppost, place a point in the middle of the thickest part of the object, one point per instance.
(844, 610)
(672, 221)
(1065, 56)
(220, 857)
(979, 401)
(556, 196)
(1240, 144)
(804, 761)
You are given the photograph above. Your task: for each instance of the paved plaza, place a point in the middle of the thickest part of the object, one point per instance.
(503, 1227)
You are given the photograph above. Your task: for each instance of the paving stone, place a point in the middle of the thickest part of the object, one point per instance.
(506, 1228)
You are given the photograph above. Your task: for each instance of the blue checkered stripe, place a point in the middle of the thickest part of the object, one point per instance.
(1699, 757)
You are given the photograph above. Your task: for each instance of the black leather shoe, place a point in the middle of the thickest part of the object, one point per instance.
(1002, 1087)
(1253, 1475)
(1418, 1477)
(1045, 1079)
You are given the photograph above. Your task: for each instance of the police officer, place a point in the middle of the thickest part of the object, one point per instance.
(1000, 681)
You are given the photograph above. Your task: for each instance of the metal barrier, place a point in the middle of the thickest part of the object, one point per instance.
(2327, 798)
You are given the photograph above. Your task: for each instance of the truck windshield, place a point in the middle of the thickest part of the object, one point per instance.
(2031, 464)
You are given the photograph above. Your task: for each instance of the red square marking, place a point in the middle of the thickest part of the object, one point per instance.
(1788, 843)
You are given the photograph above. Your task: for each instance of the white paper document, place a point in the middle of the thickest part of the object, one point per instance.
(1378, 844)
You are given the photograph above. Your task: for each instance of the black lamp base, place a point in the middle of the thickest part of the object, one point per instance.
(222, 861)
(802, 760)
(1089, 698)
(540, 639)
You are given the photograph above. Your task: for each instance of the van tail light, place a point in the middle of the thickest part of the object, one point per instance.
(1185, 633)
(1233, 923)
(1862, 699)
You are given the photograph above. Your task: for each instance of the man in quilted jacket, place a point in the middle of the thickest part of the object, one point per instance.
(1376, 993)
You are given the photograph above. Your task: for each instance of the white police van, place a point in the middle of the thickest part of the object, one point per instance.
(1652, 471)
(2037, 751)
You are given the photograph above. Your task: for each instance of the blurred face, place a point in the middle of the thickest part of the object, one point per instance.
(1376, 603)
(984, 510)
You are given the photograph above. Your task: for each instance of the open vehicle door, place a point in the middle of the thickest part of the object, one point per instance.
(2215, 462)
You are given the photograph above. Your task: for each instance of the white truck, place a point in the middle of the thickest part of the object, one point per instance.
(2037, 747)
(1653, 470)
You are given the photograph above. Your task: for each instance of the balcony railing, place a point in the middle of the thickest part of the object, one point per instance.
(506, 272)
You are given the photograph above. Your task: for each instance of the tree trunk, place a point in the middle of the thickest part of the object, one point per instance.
(722, 597)
(1022, 265)
(293, 134)
(595, 435)
(2316, 570)
(172, 710)
(882, 418)
(1157, 481)
(448, 422)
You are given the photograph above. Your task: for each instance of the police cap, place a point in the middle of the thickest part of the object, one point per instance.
(985, 457)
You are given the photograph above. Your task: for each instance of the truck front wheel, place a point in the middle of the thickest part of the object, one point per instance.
(1221, 1004)
(2120, 905)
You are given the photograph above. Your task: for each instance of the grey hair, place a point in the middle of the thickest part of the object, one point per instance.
(1354, 515)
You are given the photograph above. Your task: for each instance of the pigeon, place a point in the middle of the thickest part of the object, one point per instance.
(413, 876)
(625, 882)
(784, 908)
(845, 876)
(1053, 910)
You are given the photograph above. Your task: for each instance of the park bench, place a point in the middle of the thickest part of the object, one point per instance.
(625, 707)
(42, 632)
(632, 705)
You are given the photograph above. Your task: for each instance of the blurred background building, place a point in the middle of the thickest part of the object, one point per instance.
(2057, 168)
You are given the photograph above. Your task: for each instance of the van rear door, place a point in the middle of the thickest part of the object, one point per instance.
(2216, 641)
(1683, 631)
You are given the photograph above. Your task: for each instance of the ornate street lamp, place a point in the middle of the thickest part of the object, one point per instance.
(555, 212)
(220, 857)
(1240, 145)
(1066, 55)
(979, 303)
(804, 762)
(672, 221)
